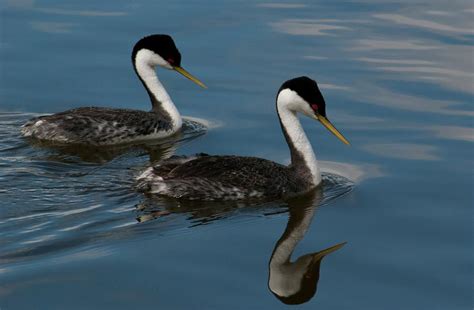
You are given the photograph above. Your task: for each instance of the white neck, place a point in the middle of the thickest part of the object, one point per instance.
(288, 242)
(145, 65)
(285, 276)
(296, 137)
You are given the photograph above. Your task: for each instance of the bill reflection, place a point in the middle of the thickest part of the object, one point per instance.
(291, 281)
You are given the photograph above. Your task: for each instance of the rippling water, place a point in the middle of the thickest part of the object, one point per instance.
(69, 202)
(398, 80)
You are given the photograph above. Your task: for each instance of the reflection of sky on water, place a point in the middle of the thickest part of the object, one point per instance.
(326, 86)
(385, 97)
(453, 132)
(403, 151)
(282, 5)
(432, 48)
(444, 57)
(355, 173)
(427, 24)
(393, 44)
(354, 122)
(306, 27)
(79, 13)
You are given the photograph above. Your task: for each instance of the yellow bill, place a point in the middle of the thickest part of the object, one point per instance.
(189, 76)
(326, 123)
(329, 250)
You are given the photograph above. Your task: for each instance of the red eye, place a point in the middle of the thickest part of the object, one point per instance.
(170, 61)
(314, 106)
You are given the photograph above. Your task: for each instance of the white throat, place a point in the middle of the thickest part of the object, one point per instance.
(285, 276)
(287, 244)
(288, 102)
(145, 64)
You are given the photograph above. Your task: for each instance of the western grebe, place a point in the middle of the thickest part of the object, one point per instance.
(205, 177)
(107, 126)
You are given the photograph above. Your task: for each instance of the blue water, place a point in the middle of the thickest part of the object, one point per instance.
(398, 80)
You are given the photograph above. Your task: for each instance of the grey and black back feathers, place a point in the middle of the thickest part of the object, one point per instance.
(95, 125)
(220, 178)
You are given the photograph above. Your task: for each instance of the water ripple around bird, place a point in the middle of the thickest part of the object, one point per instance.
(55, 204)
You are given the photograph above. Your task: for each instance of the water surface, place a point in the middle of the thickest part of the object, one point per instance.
(397, 77)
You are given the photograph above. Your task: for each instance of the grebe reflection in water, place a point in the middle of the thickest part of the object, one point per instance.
(292, 282)
(296, 282)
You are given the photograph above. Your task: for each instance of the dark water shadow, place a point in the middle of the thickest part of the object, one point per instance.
(292, 282)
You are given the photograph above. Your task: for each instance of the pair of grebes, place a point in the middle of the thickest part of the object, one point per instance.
(199, 177)
(205, 177)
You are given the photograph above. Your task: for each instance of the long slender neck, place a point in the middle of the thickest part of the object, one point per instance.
(296, 228)
(303, 159)
(286, 277)
(160, 100)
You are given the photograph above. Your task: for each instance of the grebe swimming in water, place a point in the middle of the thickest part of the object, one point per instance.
(108, 126)
(204, 177)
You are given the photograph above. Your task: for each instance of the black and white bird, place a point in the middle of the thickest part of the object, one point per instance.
(108, 126)
(204, 177)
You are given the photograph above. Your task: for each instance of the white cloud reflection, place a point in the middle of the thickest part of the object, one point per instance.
(313, 57)
(422, 23)
(384, 97)
(393, 44)
(354, 172)
(453, 132)
(307, 27)
(402, 52)
(327, 86)
(449, 66)
(395, 61)
(360, 122)
(435, 12)
(355, 122)
(430, 70)
(403, 151)
(271, 5)
(80, 12)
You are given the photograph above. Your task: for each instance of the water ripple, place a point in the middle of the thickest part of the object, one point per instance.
(56, 206)
(54, 202)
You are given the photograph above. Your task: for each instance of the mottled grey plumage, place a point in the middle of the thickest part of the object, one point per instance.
(98, 126)
(205, 177)
(106, 126)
